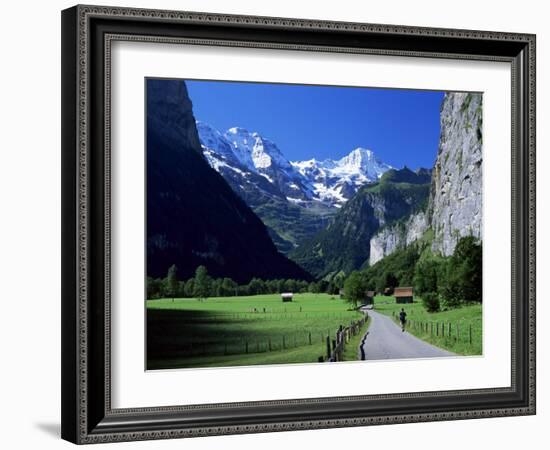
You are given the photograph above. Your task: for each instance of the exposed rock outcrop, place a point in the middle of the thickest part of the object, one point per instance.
(346, 243)
(455, 207)
(397, 236)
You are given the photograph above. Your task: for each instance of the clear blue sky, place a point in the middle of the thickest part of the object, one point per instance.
(400, 126)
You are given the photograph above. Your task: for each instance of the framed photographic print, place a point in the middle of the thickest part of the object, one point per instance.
(281, 224)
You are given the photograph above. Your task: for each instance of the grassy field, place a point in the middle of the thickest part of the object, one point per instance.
(233, 331)
(434, 327)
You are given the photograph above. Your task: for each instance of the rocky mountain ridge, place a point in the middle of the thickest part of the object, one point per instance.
(345, 244)
(331, 182)
(455, 202)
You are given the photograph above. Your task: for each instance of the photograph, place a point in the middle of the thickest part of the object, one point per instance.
(293, 224)
(276, 220)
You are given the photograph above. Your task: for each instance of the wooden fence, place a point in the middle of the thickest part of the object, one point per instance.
(440, 329)
(336, 347)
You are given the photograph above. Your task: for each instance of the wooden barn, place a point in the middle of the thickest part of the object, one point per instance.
(403, 294)
(369, 297)
(286, 296)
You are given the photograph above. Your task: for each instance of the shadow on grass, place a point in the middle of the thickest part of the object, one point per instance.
(181, 334)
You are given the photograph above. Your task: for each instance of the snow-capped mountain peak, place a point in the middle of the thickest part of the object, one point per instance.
(216, 148)
(362, 162)
(255, 149)
(331, 182)
(360, 157)
(335, 181)
(241, 142)
(212, 138)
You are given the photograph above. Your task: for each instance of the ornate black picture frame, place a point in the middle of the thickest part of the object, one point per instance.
(87, 34)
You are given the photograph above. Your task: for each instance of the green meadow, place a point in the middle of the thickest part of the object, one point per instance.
(458, 330)
(251, 330)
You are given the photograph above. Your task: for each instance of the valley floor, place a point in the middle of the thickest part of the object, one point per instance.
(261, 329)
(234, 331)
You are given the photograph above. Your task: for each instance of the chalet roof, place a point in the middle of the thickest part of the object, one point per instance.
(403, 292)
(286, 294)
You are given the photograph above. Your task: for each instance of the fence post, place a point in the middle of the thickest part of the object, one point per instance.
(437, 328)
(450, 329)
(309, 338)
(269, 344)
(470, 334)
(328, 348)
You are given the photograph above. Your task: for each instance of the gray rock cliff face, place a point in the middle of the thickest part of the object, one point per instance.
(346, 242)
(455, 207)
(397, 236)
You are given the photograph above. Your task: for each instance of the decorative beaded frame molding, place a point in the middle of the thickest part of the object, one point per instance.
(87, 415)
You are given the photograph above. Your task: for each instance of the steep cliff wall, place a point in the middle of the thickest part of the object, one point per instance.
(397, 236)
(455, 207)
(193, 216)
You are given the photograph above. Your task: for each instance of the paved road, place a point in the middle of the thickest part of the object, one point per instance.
(385, 340)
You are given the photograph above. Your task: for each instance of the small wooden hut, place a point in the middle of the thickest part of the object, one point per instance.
(286, 296)
(403, 294)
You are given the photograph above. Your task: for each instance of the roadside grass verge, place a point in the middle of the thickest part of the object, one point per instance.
(459, 330)
(351, 351)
